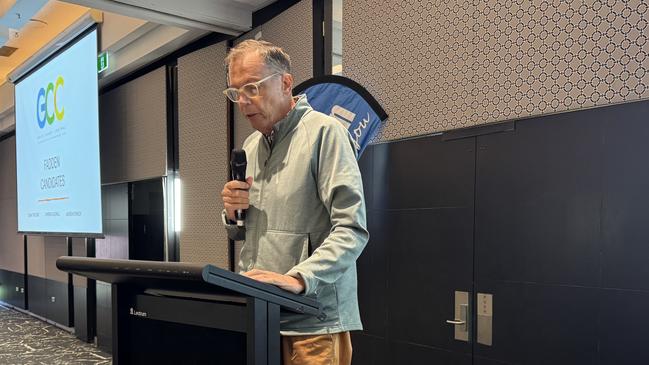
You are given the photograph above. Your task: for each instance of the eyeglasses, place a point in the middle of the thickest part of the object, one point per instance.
(250, 90)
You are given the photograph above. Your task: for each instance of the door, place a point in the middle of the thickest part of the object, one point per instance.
(419, 196)
(556, 266)
(561, 232)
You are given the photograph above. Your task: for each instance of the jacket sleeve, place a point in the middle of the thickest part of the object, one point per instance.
(340, 188)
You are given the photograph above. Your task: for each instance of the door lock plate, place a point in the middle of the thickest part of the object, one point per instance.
(484, 307)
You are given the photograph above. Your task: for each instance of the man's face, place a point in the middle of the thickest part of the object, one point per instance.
(269, 107)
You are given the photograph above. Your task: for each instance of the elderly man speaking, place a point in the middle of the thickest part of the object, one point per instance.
(305, 223)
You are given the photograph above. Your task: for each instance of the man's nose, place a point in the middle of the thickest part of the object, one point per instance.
(243, 99)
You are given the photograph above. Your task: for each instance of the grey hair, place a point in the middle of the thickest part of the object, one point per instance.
(274, 57)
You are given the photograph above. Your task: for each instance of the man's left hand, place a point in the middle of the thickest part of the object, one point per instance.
(286, 282)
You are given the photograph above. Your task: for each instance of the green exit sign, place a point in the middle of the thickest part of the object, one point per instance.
(102, 62)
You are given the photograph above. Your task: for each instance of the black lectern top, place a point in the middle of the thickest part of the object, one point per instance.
(184, 276)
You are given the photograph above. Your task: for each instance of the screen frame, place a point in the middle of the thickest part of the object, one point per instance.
(68, 45)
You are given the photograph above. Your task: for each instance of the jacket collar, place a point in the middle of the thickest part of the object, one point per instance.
(291, 120)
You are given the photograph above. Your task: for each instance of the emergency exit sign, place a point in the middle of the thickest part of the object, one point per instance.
(102, 62)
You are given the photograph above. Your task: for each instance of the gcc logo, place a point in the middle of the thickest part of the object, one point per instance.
(42, 103)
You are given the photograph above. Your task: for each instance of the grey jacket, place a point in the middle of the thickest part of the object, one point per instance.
(307, 215)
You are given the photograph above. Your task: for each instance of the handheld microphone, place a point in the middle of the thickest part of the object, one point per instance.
(238, 164)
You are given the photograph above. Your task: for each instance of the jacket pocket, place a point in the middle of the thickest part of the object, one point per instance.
(280, 251)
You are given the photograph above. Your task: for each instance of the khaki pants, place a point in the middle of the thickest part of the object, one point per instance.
(328, 349)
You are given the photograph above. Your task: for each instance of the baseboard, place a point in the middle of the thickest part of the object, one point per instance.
(18, 309)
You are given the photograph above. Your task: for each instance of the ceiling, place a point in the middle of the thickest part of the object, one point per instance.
(40, 25)
(48, 22)
(224, 16)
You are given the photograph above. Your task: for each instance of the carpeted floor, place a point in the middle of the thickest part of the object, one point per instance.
(27, 340)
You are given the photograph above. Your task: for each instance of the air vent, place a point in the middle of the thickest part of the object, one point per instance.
(6, 51)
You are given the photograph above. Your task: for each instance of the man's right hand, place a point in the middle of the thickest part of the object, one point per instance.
(235, 196)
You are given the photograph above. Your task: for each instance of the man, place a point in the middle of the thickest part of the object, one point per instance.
(305, 221)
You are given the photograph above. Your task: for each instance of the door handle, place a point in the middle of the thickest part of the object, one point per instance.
(464, 309)
(456, 322)
(461, 317)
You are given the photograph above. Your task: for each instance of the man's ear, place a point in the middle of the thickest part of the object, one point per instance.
(287, 83)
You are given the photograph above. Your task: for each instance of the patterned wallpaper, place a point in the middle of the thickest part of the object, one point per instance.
(203, 154)
(133, 129)
(292, 30)
(436, 66)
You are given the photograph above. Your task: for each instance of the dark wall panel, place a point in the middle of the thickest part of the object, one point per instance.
(115, 218)
(537, 242)
(6, 286)
(429, 259)
(115, 244)
(538, 198)
(104, 317)
(37, 292)
(483, 361)
(561, 207)
(561, 212)
(83, 292)
(366, 165)
(41, 291)
(419, 195)
(56, 297)
(146, 221)
(81, 319)
(57, 308)
(369, 349)
(426, 215)
(424, 173)
(624, 327)
(409, 353)
(12, 286)
(45, 281)
(542, 324)
(625, 252)
(19, 296)
(372, 267)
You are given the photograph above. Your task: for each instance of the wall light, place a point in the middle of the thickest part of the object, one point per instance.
(177, 205)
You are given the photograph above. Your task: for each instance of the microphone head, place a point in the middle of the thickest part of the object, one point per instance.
(238, 165)
(238, 157)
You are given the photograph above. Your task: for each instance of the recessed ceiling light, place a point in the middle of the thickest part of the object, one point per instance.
(6, 51)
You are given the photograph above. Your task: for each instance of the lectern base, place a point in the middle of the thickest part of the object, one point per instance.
(158, 342)
(153, 329)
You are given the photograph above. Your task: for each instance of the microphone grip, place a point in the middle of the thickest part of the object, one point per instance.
(238, 164)
(239, 214)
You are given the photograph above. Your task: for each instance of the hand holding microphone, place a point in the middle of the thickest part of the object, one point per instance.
(235, 192)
